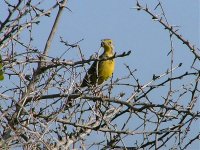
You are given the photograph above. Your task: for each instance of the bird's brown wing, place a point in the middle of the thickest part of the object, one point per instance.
(91, 76)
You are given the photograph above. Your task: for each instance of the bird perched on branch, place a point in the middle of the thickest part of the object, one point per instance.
(101, 70)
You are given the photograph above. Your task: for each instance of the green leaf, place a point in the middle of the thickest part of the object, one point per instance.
(1, 65)
(1, 75)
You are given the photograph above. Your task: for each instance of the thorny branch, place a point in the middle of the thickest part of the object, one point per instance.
(191, 47)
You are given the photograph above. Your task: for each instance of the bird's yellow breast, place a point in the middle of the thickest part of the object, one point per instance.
(105, 70)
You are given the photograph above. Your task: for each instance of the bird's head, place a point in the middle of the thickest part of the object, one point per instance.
(107, 44)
